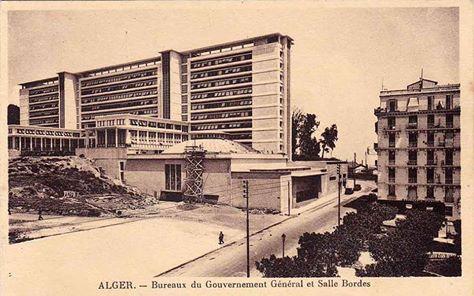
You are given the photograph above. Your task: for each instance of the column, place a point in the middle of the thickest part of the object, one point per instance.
(60, 144)
(105, 137)
(116, 137)
(31, 143)
(41, 144)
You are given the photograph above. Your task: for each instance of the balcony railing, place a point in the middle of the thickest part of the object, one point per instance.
(391, 179)
(412, 162)
(441, 144)
(449, 124)
(430, 162)
(449, 199)
(430, 181)
(430, 144)
(430, 124)
(448, 181)
(391, 161)
(412, 144)
(412, 180)
(391, 144)
(412, 125)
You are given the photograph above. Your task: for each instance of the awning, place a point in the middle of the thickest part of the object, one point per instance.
(307, 173)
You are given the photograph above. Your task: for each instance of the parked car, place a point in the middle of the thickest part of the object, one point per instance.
(348, 191)
(357, 187)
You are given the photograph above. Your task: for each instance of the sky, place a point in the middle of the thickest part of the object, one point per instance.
(338, 62)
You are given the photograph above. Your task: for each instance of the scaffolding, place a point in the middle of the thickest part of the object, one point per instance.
(194, 173)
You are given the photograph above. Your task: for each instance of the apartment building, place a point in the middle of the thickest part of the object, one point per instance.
(240, 88)
(419, 146)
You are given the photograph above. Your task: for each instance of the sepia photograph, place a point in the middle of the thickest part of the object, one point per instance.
(184, 147)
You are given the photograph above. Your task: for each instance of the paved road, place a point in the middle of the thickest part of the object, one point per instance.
(231, 261)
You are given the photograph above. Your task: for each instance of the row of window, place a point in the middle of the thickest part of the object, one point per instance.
(110, 122)
(230, 114)
(241, 136)
(119, 78)
(223, 93)
(430, 175)
(135, 112)
(222, 60)
(231, 125)
(230, 103)
(120, 105)
(222, 82)
(46, 132)
(178, 127)
(141, 93)
(430, 192)
(44, 113)
(118, 87)
(430, 121)
(431, 157)
(238, 69)
(44, 121)
(154, 136)
(393, 104)
(446, 139)
(43, 91)
(44, 99)
(44, 106)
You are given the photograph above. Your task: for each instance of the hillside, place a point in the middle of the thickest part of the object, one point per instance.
(39, 183)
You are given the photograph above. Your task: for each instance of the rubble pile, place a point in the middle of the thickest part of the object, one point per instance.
(68, 186)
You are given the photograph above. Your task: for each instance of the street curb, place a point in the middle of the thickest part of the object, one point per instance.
(234, 242)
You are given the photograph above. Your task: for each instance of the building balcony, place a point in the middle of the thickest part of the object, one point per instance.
(430, 125)
(449, 125)
(449, 199)
(391, 145)
(413, 144)
(412, 180)
(391, 161)
(430, 181)
(412, 126)
(412, 162)
(448, 181)
(430, 144)
(431, 162)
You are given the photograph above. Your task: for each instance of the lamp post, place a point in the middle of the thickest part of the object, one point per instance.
(283, 237)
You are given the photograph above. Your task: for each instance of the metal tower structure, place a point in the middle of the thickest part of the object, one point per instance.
(194, 172)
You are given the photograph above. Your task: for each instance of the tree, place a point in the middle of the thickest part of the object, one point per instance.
(404, 252)
(318, 255)
(296, 120)
(329, 139)
(13, 114)
(308, 145)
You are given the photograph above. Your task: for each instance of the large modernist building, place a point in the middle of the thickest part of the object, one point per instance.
(419, 145)
(238, 88)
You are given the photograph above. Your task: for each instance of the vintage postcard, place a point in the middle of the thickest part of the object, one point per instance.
(236, 147)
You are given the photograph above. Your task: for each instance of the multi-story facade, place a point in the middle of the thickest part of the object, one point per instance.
(239, 88)
(419, 145)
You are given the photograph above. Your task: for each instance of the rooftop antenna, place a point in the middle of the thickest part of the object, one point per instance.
(382, 83)
(421, 77)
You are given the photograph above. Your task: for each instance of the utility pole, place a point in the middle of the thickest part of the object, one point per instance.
(353, 170)
(289, 196)
(283, 237)
(338, 194)
(245, 185)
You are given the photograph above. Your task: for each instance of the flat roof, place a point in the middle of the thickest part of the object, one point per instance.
(158, 58)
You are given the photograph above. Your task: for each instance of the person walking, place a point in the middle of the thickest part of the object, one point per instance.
(221, 238)
(40, 216)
